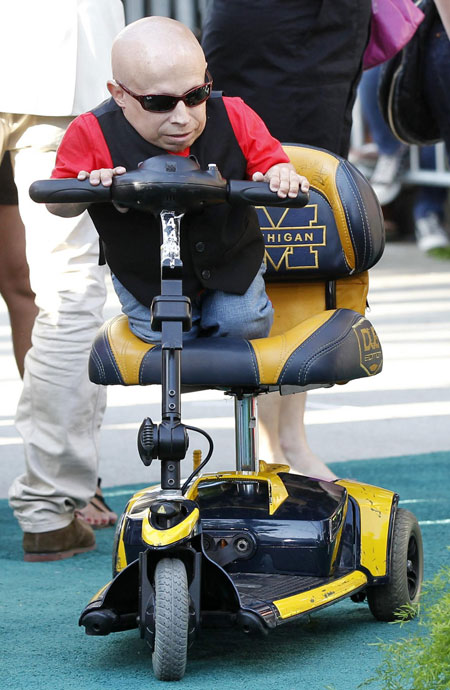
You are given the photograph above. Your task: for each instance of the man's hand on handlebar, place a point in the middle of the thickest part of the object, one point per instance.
(279, 186)
(103, 176)
(284, 180)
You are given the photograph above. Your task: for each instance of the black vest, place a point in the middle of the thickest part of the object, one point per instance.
(221, 247)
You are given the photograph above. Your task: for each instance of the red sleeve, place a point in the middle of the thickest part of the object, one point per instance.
(83, 147)
(259, 147)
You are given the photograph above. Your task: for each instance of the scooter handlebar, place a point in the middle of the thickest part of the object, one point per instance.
(68, 190)
(163, 182)
(260, 194)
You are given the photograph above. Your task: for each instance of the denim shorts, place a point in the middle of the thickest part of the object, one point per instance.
(214, 313)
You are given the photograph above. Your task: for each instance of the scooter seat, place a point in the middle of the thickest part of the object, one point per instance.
(332, 347)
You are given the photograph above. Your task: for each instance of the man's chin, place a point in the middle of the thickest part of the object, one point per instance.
(177, 144)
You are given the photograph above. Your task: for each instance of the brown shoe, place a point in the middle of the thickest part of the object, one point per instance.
(59, 543)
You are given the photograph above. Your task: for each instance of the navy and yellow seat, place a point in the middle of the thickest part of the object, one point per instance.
(317, 261)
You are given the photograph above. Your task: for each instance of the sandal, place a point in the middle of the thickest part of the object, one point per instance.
(97, 513)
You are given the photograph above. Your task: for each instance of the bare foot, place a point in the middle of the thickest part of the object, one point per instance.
(97, 513)
(311, 465)
(320, 471)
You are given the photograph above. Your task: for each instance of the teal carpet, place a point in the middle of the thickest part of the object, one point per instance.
(42, 646)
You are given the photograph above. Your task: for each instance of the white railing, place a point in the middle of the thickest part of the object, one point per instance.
(439, 177)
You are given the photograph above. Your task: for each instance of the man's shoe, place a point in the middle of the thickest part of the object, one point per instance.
(430, 234)
(59, 543)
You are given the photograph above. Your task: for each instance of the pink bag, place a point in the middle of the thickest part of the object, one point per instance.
(394, 23)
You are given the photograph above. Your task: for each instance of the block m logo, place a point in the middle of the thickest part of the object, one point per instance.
(292, 237)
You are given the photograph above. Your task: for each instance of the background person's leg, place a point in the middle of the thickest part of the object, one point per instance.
(392, 154)
(15, 282)
(429, 209)
(14, 273)
(283, 436)
(60, 410)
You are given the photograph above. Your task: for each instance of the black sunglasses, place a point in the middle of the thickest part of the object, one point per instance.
(162, 103)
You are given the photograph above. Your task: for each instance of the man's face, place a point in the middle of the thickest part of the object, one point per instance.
(174, 130)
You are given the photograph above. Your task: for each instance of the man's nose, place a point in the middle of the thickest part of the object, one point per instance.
(179, 114)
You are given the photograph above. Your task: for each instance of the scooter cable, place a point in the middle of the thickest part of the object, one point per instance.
(203, 463)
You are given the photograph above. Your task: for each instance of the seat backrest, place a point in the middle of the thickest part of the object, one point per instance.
(317, 257)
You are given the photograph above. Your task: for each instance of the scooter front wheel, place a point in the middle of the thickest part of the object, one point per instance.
(171, 619)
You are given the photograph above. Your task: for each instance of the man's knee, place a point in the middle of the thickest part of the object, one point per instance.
(240, 323)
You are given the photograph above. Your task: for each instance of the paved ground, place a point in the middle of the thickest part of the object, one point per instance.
(403, 411)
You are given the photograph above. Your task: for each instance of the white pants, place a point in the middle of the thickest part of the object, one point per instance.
(60, 410)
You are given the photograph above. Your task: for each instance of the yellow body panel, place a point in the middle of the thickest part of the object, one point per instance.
(313, 598)
(164, 537)
(375, 505)
(267, 472)
(121, 558)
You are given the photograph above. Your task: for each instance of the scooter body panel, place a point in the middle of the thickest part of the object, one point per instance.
(268, 546)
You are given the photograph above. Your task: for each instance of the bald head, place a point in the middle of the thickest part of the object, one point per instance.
(144, 51)
(160, 57)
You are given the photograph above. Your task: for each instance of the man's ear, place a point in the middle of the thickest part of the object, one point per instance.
(116, 92)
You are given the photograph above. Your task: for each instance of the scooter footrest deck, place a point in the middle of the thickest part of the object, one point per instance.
(260, 587)
(293, 595)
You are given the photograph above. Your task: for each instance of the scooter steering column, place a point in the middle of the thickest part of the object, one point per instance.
(171, 314)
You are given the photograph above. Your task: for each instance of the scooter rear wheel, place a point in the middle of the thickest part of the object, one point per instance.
(406, 572)
(171, 619)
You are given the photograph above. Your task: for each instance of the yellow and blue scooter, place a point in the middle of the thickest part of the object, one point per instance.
(259, 546)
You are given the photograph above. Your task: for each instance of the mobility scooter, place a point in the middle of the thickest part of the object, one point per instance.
(259, 546)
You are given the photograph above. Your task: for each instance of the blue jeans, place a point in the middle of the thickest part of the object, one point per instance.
(214, 313)
(381, 134)
(428, 199)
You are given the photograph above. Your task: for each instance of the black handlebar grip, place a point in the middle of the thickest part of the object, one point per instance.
(259, 194)
(71, 190)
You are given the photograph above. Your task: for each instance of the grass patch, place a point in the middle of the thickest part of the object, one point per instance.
(422, 661)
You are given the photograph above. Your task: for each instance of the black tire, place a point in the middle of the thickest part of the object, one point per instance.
(406, 571)
(171, 619)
